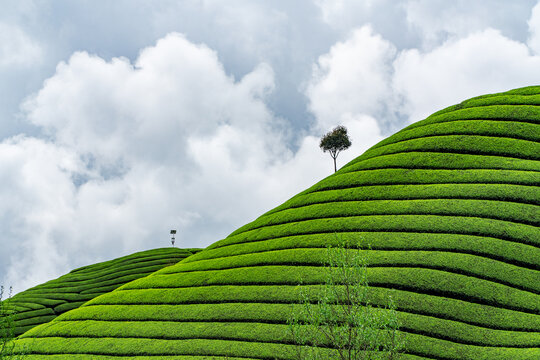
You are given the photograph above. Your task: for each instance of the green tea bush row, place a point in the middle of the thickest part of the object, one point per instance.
(32, 313)
(35, 320)
(243, 331)
(500, 210)
(502, 192)
(524, 91)
(117, 268)
(51, 298)
(22, 329)
(26, 306)
(425, 176)
(472, 144)
(480, 267)
(506, 99)
(131, 265)
(47, 302)
(523, 113)
(217, 304)
(253, 330)
(466, 334)
(417, 279)
(419, 345)
(121, 279)
(511, 252)
(146, 255)
(132, 347)
(82, 284)
(525, 96)
(68, 306)
(440, 160)
(443, 349)
(161, 357)
(104, 289)
(503, 129)
(263, 332)
(510, 231)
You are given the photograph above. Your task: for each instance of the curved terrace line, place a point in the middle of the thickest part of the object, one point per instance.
(441, 114)
(414, 289)
(396, 201)
(168, 356)
(507, 239)
(101, 279)
(243, 339)
(485, 255)
(390, 230)
(411, 311)
(532, 186)
(431, 151)
(403, 142)
(457, 271)
(130, 355)
(371, 183)
(442, 149)
(464, 121)
(252, 314)
(345, 169)
(114, 270)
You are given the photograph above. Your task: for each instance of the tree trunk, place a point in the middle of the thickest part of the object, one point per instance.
(335, 168)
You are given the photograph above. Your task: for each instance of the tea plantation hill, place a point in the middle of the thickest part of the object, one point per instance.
(450, 207)
(45, 302)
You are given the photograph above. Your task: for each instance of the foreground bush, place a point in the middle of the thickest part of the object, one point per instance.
(342, 317)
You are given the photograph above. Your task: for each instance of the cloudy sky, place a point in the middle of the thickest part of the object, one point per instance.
(120, 120)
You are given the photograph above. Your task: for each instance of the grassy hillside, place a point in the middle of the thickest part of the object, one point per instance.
(45, 302)
(450, 207)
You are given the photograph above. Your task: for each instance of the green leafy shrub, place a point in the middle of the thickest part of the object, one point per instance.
(7, 329)
(343, 319)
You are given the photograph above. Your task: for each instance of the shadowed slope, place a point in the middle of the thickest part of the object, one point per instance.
(45, 302)
(450, 207)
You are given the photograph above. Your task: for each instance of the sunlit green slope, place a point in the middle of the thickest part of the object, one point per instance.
(45, 302)
(450, 207)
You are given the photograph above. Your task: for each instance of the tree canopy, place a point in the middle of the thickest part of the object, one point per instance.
(335, 141)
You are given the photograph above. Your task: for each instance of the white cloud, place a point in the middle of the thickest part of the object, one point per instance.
(365, 75)
(17, 48)
(352, 78)
(37, 194)
(364, 80)
(425, 24)
(257, 29)
(174, 90)
(364, 132)
(350, 86)
(246, 30)
(168, 141)
(438, 20)
(534, 29)
(477, 64)
(342, 13)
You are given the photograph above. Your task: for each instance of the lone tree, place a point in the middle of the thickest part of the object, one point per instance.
(334, 142)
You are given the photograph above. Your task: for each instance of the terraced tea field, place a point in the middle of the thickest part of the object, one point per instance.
(446, 210)
(45, 302)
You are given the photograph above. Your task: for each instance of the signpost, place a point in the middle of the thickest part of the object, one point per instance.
(173, 233)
